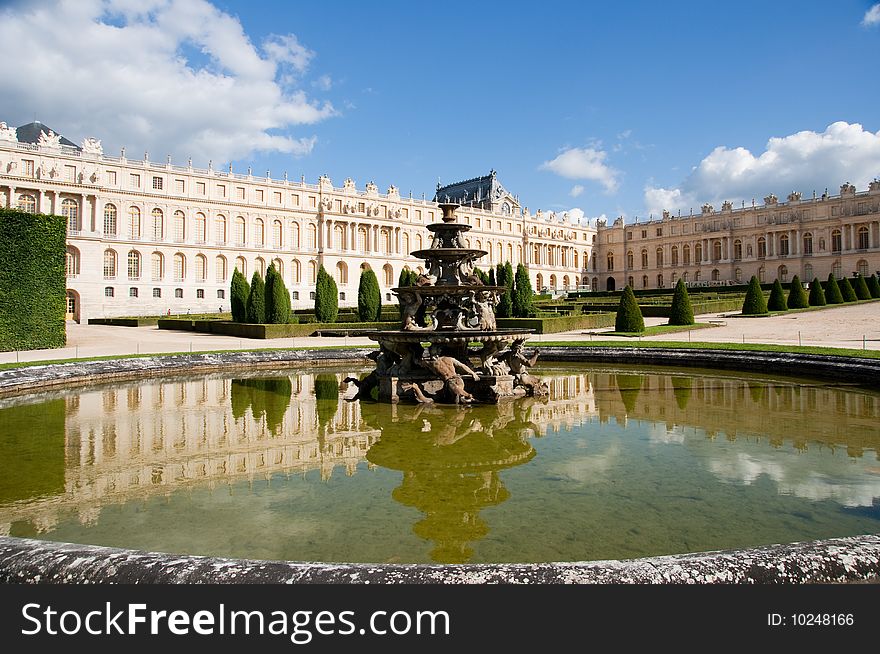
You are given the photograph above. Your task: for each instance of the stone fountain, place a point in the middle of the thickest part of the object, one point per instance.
(448, 324)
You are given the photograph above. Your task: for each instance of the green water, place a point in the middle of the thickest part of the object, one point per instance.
(618, 462)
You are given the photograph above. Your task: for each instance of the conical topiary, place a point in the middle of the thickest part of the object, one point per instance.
(326, 297)
(256, 302)
(797, 296)
(754, 304)
(369, 297)
(239, 290)
(277, 298)
(832, 291)
(777, 300)
(861, 288)
(817, 294)
(848, 292)
(681, 312)
(874, 286)
(629, 315)
(522, 293)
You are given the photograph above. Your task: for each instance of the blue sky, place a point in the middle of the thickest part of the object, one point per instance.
(623, 108)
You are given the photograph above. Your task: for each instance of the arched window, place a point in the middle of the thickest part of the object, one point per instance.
(684, 276)
(808, 243)
(201, 267)
(738, 275)
(762, 275)
(762, 247)
(279, 266)
(240, 231)
(260, 266)
(295, 271)
(313, 272)
(716, 251)
(134, 265)
(500, 251)
(862, 238)
(27, 202)
(134, 222)
(698, 275)
(673, 255)
(698, 253)
(419, 242)
(157, 266)
(565, 282)
(644, 258)
(686, 255)
(519, 253)
(737, 250)
(179, 227)
(220, 268)
(716, 275)
(673, 277)
(338, 237)
(109, 220)
(862, 267)
(808, 272)
(660, 280)
(837, 270)
(404, 240)
(553, 282)
(259, 233)
(277, 235)
(158, 224)
(363, 240)
(220, 229)
(311, 237)
(109, 264)
(782, 273)
(594, 285)
(70, 210)
(630, 259)
(179, 267)
(659, 257)
(385, 241)
(295, 236)
(510, 255)
(631, 282)
(201, 228)
(71, 261)
(389, 275)
(341, 272)
(836, 241)
(241, 265)
(610, 261)
(539, 282)
(783, 245)
(644, 281)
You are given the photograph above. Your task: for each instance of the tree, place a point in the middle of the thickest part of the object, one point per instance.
(277, 298)
(797, 296)
(681, 312)
(369, 297)
(848, 292)
(484, 277)
(326, 297)
(407, 278)
(777, 298)
(505, 303)
(239, 290)
(832, 291)
(817, 295)
(629, 315)
(492, 280)
(754, 304)
(256, 302)
(861, 288)
(874, 286)
(522, 293)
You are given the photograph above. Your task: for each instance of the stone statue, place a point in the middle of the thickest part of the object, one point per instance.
(519, 365)
(490, 364)
(92, 145)
(409, 306)
(8, 133)
(49, 140)
(447, 369)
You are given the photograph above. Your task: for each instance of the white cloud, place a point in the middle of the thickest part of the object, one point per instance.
(584, 163)
(177, 77)
(323, 83)
(805, 161)
(576, 190)
(872, 16)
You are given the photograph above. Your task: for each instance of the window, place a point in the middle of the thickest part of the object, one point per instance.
(716, 251)
(342, 295)
(863, 238)
(698, 253)
(200, 293)
(220, 229)
(27, 203)
(71, 260)
(134, 265)
(241, 265)
(388, 273)
(630, 258)
(221, 294)
(644, 233)
(716, 275)
(260, 266)
(201, 228)
(862, 267)
(783, 245)
(836, 270)
(808, 272)
(610, 261)
(660, 280)
(220, 268)
(179, 186)
(109, 220)
(737, 249)
(295, 271)
(312, 295)
(240, 230)
(341, 273)
(132, 292)
(157, 292)
(644, 281)
(276, 197)
(70, 210)
(200, 188)
(134, 222)
(738, 275)
(109, 264)
(221, 191)
(108, 291)
(762, 247)
(179, 226)
(686, 255)
(659, 231)
(239, 192)
(179, 267)
(70, 173)
(835, 241)
(294, 236)
(178, 293)
(157, 265)
(158, 224)
(311, 237)
(659, 256)
(782, 273)
(388, 297)
(134, 181)
(157, 183)
(294, 295)
(201, 267)
(260, 195)
(277, 234)
(631, 282)
(808, 243)
(674, 255)
(27, 167)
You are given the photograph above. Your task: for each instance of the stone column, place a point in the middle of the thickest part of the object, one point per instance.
(12, 197)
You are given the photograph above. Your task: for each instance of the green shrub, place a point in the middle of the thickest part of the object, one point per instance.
(239, 290)
(326, 297)
(874, 286)
(754, 304)
(832, 291)
(817, 295)
(369, 297)
(629, 316)
(777, 298)
(277, 298)
(33, 280)
(848, 292)
(522, 293)
(256, 303)
(681, 312)
(797, 296)
(861, 288)
(483, 275)
(504, 277)
(492, 280)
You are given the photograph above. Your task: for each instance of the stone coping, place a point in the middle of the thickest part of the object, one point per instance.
(834, 560)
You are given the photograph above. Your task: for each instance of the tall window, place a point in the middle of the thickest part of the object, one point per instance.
(134, 265)
(716, 275)
(313, 272)
(610, 261)
(738, 275)
(277, 234)
(338, 237)
(260, 266)
(109, 220)
(27, 202)
(279, 266)
(201, 267)
(762, 247)
(295, 236)
(389, 275)
(737, 249)
(385, 241)
(179, 267)
(220, 268)
(862, 267)
(863, 237)
(70, 210)
(241, 265)
(157, 264)
(783, 245)
(109, 264)
(686, 255)
(134, 222)
(674, 255)
(698, 253)
(782, 273)
(836, 241)
(808, 243)
(644, 281)
(240, 232)
(808, 272)
(158, 224)
(179, 227)
(404, 242)
(630, 259)
(716, 251)
(837, 270)
(201, 228)
(659, 257)
(259, 233)
(71, 261)
(660, 280)
(311, 237)
(220, 229)
(295, 271)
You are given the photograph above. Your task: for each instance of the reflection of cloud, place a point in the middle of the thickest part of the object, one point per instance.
(658, 433)
(588, 468)
(830, 478)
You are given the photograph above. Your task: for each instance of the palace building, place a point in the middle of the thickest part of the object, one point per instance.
(148, 238)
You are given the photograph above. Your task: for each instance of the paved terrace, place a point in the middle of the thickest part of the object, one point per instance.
(854, 326)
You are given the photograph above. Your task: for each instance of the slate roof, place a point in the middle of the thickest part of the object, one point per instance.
(30, 133)
(479, 191)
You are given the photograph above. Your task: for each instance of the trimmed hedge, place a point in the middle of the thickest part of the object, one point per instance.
(848, 292)
(797, 296)
(777, 301)
(861, 288)
(629, 316)
(239, 290)
(817, 295)
(754, 304)
(326, 297)
(523, 295)
(561, 324)
(33, 280)
(256, 302)
(277, 298)
(263, 331)
(874, 286)
(369, 297)
(124, 322)
(681, 312)
(832, 291)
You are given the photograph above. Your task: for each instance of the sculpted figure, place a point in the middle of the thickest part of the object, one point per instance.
(519, 364)
(410, 304)
(448, 369)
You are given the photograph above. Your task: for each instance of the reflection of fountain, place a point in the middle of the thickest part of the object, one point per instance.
(461, 310)
(450, 465)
